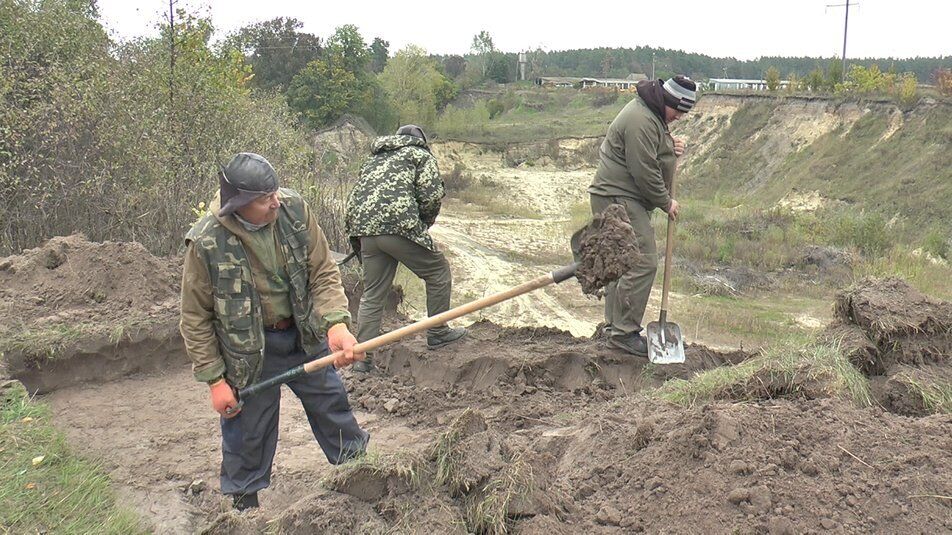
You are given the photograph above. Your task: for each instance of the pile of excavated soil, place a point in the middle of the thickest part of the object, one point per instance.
(899, 338)
(69, 279)
(96, 302)
(606, 248)
(634, 466)
(517, 376)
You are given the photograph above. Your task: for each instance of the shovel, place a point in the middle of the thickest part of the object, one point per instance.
(665, 343)
(555, 277)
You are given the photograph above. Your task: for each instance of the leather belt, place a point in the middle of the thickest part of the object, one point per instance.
(282, 325)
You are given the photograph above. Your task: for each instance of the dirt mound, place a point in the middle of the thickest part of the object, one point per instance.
(76, 299)
(884, 322)
(606, 249)
(519, 376)
(781, 467)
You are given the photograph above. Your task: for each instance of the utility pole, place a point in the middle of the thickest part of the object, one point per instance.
(652, 65)
(846, 25)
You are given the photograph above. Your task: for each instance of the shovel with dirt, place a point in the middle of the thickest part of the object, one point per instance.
(603, 250)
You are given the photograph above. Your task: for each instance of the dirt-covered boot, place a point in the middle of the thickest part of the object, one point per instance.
(632, 343)
(243, 502)
(448, 336)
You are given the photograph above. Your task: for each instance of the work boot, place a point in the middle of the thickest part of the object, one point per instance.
(448, 336)
(632, 343)
(364, 366)
(245, 501)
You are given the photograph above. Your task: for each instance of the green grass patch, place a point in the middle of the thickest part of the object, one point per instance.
(50, 341)
(402, 464)
(809, 371)
(44, 488)
(935, 393)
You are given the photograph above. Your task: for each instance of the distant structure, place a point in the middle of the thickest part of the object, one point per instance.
(622, 84)
(522, 65)
(557, 81)
(719, 84)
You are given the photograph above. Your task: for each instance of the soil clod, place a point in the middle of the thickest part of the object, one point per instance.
(607, 249)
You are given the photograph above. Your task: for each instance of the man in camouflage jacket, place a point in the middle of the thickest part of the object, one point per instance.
(389, 213)
(261, 295)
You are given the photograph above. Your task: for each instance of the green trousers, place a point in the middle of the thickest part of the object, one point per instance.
(380, 256)
(626, 298)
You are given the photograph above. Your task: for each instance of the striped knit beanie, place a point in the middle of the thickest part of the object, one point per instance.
(679, 93)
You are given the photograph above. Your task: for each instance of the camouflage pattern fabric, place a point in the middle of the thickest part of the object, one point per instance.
(399, 192)
(238, 320)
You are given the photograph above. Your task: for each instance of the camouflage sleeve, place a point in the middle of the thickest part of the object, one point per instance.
(327, 292)
(197, 309)
(429, 190)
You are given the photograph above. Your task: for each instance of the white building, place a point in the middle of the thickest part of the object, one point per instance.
(719, 84)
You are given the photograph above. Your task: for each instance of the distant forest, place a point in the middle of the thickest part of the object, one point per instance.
(620, 62)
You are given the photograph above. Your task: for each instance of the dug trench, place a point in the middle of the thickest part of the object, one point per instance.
(521, 430)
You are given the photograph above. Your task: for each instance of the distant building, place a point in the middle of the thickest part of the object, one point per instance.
(557, 81)
(623, 84)
(725, 84)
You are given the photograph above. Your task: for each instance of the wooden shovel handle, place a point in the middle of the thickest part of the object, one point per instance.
(439, 319)
(668, 250)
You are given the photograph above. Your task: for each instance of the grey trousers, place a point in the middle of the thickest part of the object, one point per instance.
(250, 438)
(627, 298)
(380, 256)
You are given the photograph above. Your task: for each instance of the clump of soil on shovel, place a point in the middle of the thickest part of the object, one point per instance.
(606, 249)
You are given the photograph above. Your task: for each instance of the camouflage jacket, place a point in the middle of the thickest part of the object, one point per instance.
(399, 192)
(222, 319)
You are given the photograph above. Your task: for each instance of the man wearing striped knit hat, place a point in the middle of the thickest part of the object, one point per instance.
(636, 164)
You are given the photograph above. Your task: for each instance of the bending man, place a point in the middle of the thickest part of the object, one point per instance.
(392, 206)
(636, 163)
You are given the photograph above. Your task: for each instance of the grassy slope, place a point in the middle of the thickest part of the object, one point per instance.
(44, 488)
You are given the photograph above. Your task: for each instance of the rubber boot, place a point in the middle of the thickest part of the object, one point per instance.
(243, 502)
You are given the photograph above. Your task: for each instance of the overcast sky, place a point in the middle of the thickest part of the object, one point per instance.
(744, 29)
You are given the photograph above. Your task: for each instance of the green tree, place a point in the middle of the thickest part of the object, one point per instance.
(907, 93)
(834, 74)
(276, 50)
(347, 48)
(416, 87)
(772, 78)
(380, 53)
(815, 80)
(324, 90)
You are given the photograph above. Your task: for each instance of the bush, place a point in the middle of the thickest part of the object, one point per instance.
(866, 232)
(936, 243)
(100, 140)
(605, 98)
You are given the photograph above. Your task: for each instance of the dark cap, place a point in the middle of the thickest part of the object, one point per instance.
(245, 178)
(411, 130)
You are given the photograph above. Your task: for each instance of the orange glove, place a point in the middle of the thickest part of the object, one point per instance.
(223, 398)
(339, 338)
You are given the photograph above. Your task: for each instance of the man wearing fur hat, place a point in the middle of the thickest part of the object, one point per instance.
(390, 210)
(261, 295)
(636, 164)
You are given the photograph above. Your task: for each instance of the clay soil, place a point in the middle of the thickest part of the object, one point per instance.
(520, 430)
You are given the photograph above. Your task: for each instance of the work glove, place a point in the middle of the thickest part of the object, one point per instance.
(223, 398)
(339, 338)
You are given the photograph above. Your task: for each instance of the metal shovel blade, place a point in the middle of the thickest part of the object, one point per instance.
(665, 343)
